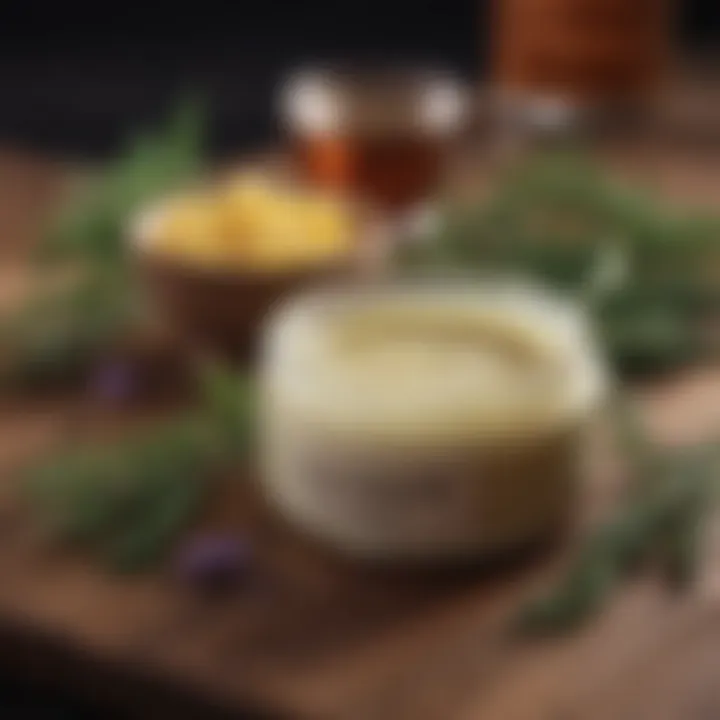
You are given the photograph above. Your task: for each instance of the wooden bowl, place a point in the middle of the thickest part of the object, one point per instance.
(222, 309)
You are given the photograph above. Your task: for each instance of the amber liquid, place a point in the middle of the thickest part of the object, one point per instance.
(394, 172)
(590, 51)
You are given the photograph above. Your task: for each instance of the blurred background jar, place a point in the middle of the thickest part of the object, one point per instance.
(559, 61)
(382, 135)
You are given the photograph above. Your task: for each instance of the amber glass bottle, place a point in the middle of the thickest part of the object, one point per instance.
(585, 52)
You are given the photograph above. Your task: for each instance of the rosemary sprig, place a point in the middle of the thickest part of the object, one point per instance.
(130, 499)
(556, 218)
(56, 336)
(669, 499)
(93, 227)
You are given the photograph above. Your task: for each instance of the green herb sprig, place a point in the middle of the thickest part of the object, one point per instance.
(57, 335)
(129, 500)
(556, 217)
(93, 228)
(669, 499)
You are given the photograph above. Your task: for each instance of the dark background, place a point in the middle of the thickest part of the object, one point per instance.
(75, 78)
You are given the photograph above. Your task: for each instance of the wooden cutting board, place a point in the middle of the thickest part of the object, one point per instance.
(316, 636)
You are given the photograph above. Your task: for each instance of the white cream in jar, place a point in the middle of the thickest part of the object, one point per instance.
(426, 421)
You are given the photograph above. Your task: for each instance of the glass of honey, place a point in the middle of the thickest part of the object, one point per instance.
(576, 56)
(382, 136)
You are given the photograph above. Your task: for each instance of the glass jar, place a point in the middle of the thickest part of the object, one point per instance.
(556, 60)
(381, 135)
(427, 421)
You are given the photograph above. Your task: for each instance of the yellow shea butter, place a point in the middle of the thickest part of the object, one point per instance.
(252, 225)
(187, 228)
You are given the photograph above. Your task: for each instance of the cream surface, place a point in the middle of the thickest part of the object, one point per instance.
(433, 363)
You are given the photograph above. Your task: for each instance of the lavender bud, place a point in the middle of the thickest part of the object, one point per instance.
(114, 382)
(215, 561)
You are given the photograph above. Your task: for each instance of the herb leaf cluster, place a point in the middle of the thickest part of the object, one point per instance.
(130, 499)
(659, 525)
(58, 333)
(560, 219)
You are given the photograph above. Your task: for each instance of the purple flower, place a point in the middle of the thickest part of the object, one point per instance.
(115, 382)
(215, 562)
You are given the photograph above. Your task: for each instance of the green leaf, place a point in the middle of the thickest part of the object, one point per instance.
(93, 227)
(573, 602)
(228, 400)
(649, 271)
(662, 518)
(153, 530)
(58, 338)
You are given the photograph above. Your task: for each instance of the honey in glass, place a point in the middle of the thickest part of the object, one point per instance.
(381, 136)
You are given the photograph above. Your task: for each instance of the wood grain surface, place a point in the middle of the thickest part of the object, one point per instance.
(313, 635)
